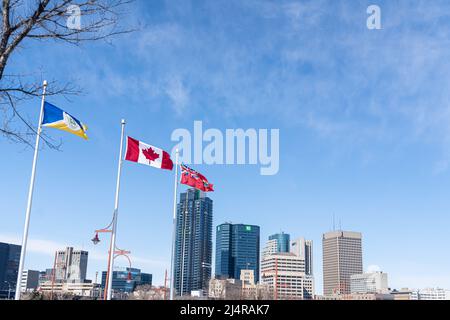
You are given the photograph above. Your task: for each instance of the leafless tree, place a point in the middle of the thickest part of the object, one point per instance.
(70, 21)
(148, 292)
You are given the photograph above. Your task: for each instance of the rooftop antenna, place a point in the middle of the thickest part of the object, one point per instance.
(340, 225)
(334, 225)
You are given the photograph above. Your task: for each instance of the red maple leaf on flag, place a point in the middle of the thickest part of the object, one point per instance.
(150, 154)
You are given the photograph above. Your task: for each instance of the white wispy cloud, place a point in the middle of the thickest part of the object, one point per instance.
(178, 94)
(309, 64)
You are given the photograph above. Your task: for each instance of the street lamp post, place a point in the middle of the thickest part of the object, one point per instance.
(117, 253)
(9, 289)
(95, 241)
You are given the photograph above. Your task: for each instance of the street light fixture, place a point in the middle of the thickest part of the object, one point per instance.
(95, 239)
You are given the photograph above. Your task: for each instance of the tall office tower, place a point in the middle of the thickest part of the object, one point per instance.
(237, 248)
(342, 258)
(304, 249)
(278, 242)
(193, 243)
(71, 265)
(9, 266)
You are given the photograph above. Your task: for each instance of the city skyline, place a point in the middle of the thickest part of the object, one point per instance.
(363, 121)
(298, 247)
(100, 256)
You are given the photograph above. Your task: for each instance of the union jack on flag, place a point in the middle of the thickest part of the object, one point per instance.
(195, 179)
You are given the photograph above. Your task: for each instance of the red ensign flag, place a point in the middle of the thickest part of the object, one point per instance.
(195, 179)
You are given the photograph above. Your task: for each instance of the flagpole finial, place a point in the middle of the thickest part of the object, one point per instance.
(123, 121)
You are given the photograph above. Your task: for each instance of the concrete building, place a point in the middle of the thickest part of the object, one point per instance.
(304, 249)
(45, 276)
(86, 289)
(285, 274)
(358, 296)
(342, 258)
(193, 243)
(372, 282)
(243, 289)
(433, 294)
(150, 293)
(421, 294)
(71, 265)
(269, 248)
(30, 280)
(252, 290)
(404, 294)
(237, 248)
(225, 289)
(247, 277)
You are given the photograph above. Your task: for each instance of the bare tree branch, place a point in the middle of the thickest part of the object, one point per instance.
(24, 20)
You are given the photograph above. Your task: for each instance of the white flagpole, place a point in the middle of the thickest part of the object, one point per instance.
(112, 248)
(30, 197)
(172, 260)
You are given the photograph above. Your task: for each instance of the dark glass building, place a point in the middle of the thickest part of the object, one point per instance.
(122, 283)
(193, 242)
(283, 241)
(237, 248)
(9, 267)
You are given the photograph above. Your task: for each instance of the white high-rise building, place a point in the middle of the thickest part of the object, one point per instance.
(371, 282)
(270, 248)
(303, 249)
(285, 273)
(71, 265)
(288, 274)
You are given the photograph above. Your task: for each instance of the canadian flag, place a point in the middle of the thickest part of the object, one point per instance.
(140, 152)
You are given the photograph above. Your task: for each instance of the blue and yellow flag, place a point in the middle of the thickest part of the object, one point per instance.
(56, 118)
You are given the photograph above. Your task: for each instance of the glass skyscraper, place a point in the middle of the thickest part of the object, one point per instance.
(283, 240)
(122, 283)
(193, 242)
(9, 266)
(237, 248)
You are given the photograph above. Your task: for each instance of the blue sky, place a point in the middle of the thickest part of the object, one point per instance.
(363, 118)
